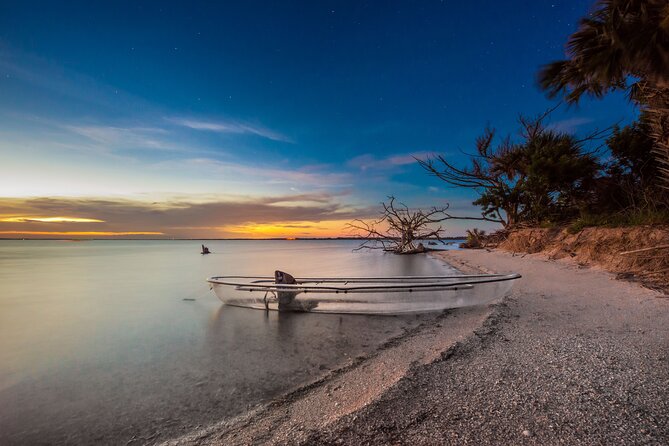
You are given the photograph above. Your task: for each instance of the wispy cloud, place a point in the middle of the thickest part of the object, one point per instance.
(178, 218)
(28, 233)
(46, 75)
(124, 137)
(233, 127)
(570, 125)
(304, 176)
(51, 80)
(50, 220)
(319, 197)
(370, 162)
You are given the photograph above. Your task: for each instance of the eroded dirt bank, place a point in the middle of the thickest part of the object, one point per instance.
(631, 252)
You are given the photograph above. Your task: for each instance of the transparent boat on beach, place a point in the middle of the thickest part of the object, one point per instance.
(362, 295)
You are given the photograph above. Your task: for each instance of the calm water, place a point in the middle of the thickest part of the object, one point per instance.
(97, 343)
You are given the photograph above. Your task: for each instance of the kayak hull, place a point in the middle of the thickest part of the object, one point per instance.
(363, 295)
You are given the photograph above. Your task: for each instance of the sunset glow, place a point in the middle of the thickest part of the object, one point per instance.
(238, 131)
(289, 230)
(334, 221)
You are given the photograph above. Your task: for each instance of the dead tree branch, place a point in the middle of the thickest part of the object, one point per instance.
(400, 228)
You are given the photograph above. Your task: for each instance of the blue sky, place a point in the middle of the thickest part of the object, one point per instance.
(293, 116)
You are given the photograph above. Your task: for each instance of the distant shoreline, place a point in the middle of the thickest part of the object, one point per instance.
(209, 239)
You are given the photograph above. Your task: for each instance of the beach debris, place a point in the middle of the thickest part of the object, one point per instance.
(405, 227)
(652, 248)
(205, 250)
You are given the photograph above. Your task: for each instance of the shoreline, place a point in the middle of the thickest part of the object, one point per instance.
(298, 414)
(573, 356)
(133, 361)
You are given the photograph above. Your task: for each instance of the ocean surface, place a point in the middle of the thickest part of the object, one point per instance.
(122, 341)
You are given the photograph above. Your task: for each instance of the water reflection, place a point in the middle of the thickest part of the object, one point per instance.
(280, 344)
(103, 347)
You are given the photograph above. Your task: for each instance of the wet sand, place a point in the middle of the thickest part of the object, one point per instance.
(573, 356)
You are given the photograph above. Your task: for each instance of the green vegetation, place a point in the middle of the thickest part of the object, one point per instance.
(621, 45)
(624, 219)
(475, 238)
(549, 178)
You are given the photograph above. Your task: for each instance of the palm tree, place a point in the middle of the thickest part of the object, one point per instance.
(621, 45)
(475, 238)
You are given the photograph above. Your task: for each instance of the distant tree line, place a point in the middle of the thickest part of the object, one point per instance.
(553, 177)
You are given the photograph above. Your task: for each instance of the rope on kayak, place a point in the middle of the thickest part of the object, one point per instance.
(198, 293)
(266, 300)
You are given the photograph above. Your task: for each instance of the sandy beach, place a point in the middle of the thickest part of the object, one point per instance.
(317, 223)
(573, 356)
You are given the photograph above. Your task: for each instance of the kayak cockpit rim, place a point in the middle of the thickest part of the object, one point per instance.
(399, 283)
(360, 295)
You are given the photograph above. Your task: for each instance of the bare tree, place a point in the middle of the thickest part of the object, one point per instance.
(480, 176)
(400, 229)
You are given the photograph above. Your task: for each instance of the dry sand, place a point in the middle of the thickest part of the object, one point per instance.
(573, 356)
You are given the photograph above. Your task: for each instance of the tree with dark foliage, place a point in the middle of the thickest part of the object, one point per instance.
(621, 45)
(629, 181)
(543, 177)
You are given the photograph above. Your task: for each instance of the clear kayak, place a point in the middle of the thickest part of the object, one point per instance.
(361, 295)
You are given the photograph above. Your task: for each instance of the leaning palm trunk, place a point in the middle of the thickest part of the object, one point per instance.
(656, 104)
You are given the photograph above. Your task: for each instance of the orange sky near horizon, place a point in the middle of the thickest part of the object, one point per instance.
(322, 229)
(40, 227)
(251, 231)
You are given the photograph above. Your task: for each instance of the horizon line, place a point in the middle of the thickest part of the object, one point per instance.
(208, 239)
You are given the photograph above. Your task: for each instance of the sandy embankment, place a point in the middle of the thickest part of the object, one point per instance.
(631, 252)
(572, 357)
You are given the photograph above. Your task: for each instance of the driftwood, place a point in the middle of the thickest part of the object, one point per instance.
(653, 248)
(400, 229)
